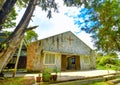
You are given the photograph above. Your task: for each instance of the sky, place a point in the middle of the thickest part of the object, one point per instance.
(57, 24)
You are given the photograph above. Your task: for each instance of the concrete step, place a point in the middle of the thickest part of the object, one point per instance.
(109, 78)
(114, 81)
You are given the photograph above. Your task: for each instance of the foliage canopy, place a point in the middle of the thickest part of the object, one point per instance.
(31, 36)
(104, 19)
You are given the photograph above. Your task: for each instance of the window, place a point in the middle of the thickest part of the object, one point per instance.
(49, 58)
(86, 60)
(73, 60)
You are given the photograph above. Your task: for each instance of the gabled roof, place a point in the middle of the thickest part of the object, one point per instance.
(66, 42)
(65, 33)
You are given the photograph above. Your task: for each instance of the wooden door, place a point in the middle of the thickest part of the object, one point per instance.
(77, 63)
(63, 63)
(71, 63)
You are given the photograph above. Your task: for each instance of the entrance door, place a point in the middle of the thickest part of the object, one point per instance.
(77, 63)
(63, 62)
(73, 63)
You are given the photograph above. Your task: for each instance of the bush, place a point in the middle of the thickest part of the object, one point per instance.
(98, 60)
(46, 76)
(110, 61)
(107, 60)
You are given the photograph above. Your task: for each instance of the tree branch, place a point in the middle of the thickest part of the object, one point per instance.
(15, 38)
(31, 28)
(5, 10)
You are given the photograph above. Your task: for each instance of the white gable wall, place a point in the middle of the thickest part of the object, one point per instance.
(65, 43)
(85, 62)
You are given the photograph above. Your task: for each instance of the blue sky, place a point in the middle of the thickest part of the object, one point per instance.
(57, 24)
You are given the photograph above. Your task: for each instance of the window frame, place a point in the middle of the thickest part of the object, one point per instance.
(45, 54)
(88, 59)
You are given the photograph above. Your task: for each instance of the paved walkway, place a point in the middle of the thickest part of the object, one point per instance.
(67, 75)
(82, 74)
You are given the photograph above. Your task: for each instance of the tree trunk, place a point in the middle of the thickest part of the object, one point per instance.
(17, 35)
(5, 10)
(17, 60)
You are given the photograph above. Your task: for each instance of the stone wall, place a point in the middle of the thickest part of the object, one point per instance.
(35, 58)
(31, 51)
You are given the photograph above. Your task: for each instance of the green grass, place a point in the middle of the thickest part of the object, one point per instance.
(112, 67)
(16, 81)
(99, 67)
(28, 81)
(11, 70)
(100, 83)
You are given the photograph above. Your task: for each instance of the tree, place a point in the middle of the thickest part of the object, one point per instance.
(108, 35)
(5, 10)
(105, 28)
(14, 39)
(31, 36)
(10, 21)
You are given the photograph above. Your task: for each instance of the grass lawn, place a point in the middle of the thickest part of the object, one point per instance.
(113, 67)
(31, 81)
(100, 83)
(17, 81)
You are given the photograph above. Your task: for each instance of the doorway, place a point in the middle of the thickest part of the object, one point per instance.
(70, 62)
(73, 63)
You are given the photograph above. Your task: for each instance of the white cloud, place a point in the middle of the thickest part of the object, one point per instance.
(57, 24)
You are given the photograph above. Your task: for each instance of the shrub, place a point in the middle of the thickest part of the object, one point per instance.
(110, 61)
(107, 60)
(46, 76)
